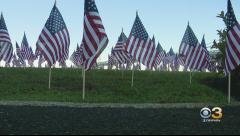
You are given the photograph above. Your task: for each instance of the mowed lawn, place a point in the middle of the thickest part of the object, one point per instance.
(103, 86)
(108, 121)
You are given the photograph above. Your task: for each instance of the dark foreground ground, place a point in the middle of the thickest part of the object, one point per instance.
(60, 120)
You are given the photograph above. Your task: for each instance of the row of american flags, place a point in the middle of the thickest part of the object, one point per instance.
(53, 45)
(139, 47)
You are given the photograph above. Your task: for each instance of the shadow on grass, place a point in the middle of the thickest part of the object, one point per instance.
(221, 84)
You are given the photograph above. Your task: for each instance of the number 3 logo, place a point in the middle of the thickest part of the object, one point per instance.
(217, 113)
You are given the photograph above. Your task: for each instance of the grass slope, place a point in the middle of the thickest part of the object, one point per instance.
(109, 87)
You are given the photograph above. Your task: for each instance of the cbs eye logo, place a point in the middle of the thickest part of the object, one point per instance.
(215, 113)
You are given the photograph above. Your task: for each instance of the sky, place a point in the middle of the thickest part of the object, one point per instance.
(165, 19)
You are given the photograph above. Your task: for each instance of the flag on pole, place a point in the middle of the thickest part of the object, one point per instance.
(207, 64)
(79, 53)
(54, 39)
(77, 56)
(20, 55)
(32, 57)
(180, 60)
(79, 50)
(196, 58)
(159, 58)
(95, 39)
(232, 60)
(15, 61)
(189, 41)
(140, 46)
(74, 59)
(119, 51)
(194, 53)
(170, 56)
(175, 64)
(111, 60)
(165, 61)
(161, 54)
(6, 49)
(25, 49)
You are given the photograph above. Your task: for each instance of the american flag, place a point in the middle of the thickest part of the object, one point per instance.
(79, 50)
(111, 60)
(232, 60)
(161, 54)
(157, 59)
(32, 57)
(194, 53)
(169, 58)
(188, 42)
(25, 48)
(196, 58)
(180, 60)
(76, 57)
(175, 64)
(79, 54)
(140, 46)
(73, 58)
(20, 54)
(95, 39)
(208, 57)
(119, 51)
(165, 61)
(14, 60)
(6, 49)
(54, 39)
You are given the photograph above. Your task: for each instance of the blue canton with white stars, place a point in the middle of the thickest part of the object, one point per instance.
(2, 23)
(90, 6)
(189, 37)
(171, 52)
(122, 38)
(203, 43)
(138, 29)
(159, 48)
(25, 42)
(55, 21)
(153, 39)
(231, 18)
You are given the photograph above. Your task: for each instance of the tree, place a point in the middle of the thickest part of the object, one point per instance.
(220, 45)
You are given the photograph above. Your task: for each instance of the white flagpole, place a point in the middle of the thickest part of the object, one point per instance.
(50, 73)
(132, 75)
(229, 88)
(83, 93)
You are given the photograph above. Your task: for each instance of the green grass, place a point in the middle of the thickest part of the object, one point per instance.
(109, 87)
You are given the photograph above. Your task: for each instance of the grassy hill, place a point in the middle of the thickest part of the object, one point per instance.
(110, 87)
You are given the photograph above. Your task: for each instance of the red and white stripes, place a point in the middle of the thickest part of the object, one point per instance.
(233, 49)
